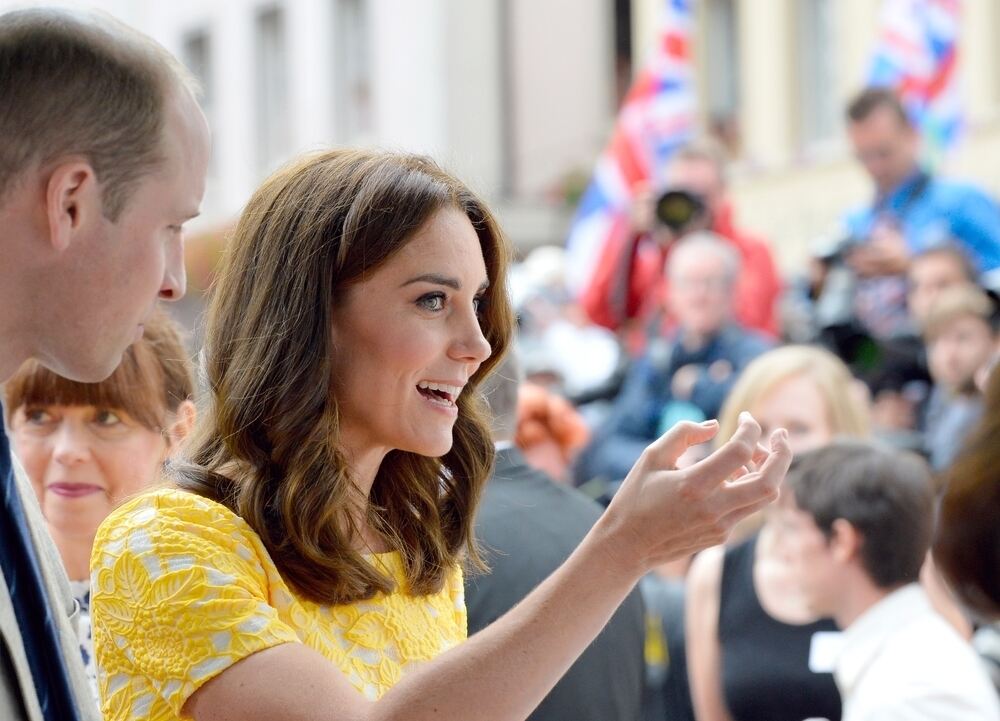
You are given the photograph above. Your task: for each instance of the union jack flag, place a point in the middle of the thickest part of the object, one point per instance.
(916, 56)
(658, 114)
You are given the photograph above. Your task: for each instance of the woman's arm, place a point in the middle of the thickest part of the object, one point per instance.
(503, 672)
(701, 612)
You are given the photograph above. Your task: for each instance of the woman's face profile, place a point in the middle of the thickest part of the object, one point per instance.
(407, 339)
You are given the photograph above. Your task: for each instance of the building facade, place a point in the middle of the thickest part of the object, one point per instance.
(518, 96)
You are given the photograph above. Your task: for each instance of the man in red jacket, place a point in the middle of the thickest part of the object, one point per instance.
(628, 285)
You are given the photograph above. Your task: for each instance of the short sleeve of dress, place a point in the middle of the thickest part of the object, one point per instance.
(179, 594)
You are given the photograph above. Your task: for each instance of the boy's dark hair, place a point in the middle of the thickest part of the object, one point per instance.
(887, 495)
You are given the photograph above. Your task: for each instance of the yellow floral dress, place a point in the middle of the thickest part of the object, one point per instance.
(183, 588)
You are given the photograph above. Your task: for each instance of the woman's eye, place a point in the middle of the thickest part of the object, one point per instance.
(432, 301)
(105, 417)
(479, 303)
(37, 416)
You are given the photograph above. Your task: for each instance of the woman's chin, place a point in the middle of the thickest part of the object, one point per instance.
(432, 448)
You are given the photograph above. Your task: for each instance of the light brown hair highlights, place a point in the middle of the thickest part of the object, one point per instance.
(153, 379)
(77, 86)
(267, 445)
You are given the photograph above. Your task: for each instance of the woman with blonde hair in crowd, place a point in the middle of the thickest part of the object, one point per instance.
(307, 565)
(749, 634)
(88, 446)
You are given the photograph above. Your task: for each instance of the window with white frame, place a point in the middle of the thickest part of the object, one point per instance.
(272, 122)
(818, 107)
(352, 70)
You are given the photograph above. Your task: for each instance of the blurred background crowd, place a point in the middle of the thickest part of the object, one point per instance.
(787, 207)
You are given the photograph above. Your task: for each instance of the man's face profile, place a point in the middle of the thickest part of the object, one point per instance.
(111, 273)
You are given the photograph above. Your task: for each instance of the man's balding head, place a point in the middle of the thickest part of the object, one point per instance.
(75, 85)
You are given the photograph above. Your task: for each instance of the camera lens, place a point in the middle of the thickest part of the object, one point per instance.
(679, 209)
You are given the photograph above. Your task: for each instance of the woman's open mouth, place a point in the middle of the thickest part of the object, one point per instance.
(440, 394)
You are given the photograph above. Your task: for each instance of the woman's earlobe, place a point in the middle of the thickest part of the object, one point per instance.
(184, 420)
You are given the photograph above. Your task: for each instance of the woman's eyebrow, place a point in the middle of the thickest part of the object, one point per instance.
(436, 279)
(445, 280)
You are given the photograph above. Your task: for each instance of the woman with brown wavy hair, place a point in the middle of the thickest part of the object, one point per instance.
(307, 565)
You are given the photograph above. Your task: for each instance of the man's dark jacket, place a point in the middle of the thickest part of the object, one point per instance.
(527, 526)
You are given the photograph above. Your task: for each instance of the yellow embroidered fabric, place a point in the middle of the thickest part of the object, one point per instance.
(182, 588)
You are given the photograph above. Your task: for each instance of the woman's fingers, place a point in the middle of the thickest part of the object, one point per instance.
(665, 450)
(760, 454)
(663, 512)
(760, 487)
(737, 452)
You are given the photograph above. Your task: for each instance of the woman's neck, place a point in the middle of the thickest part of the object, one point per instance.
(74, 549)
(364, 467)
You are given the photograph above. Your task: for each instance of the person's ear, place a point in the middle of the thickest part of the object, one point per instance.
(72, 199)
(845, 541)
(184, 420)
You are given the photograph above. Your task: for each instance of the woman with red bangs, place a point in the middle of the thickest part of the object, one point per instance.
(308, 562)
(88, 446)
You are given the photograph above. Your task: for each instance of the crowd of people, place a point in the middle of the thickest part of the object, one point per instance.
(399, 491)
(881, 348)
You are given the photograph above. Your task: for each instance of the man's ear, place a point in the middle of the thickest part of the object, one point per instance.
(845, 541)
(72, 199)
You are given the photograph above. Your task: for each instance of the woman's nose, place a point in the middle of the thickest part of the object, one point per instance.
(471, 345)
(71, 445)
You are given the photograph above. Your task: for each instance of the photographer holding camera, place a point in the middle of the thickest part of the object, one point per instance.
(628, 285)
(912, 212)
(860, 285)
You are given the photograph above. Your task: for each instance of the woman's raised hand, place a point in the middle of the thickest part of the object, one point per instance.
(661, 513)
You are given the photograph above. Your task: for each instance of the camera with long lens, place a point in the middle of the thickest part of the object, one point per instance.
(680, 211)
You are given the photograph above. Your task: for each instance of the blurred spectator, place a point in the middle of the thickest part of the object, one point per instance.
(967, 545)
(685, 374)
(933, 271)
(856, 528)
(528, 525)
(911, 212)
(749, 635)
(901, 385)
(806, 390)
(960, 332)
(628, 283)
(549, 431)
(89, 446)
(558, 347)
(861, 305)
